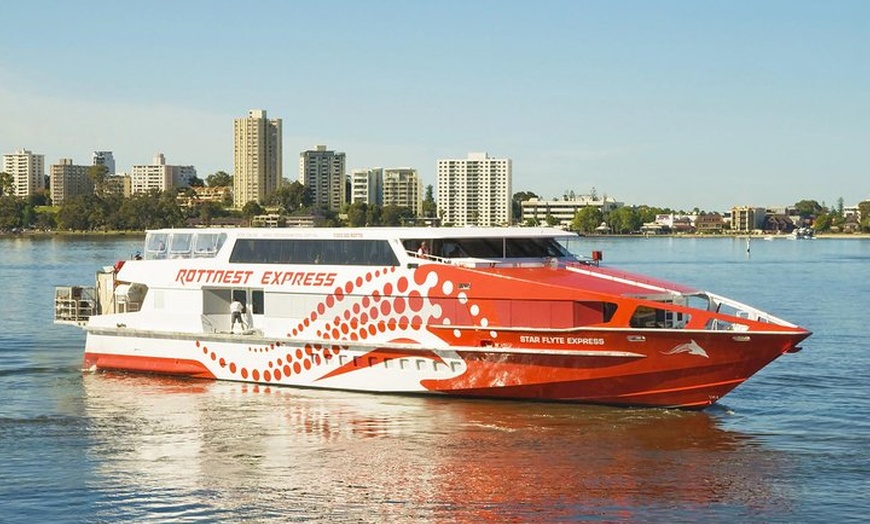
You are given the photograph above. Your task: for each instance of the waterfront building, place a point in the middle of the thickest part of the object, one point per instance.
(367, 186)
(710, 223)
(27, 171)
(323, 173)
(475, 190)
(106, 159)
(68, 180)
(403, 188)
(257, 157)
(747, 218)
(562, 212)
(160, 176)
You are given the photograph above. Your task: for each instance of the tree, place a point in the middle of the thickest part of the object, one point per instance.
(864, 211)
(808, 208)
(395, 215)
(219, 179)
(356, 214)
(98, 173)
(624, 220)
(291, 197)
(373, 215)
(209, 210)
(430, 208)
(74, 214)
(517, 203)
(7, 184)
(586, 219)
(823, 221)
(11, 211)
(252, 209)
(196, 182)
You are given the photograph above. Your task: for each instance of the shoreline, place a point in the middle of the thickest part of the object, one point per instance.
(761, 236)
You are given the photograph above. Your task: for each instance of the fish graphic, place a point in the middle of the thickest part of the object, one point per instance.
(691, 347)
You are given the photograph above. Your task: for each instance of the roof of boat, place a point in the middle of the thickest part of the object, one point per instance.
(380, 232)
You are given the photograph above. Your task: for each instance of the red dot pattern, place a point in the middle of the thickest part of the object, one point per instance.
(390, 306)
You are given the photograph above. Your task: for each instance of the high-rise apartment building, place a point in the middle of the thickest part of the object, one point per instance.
(69, 180)
(475, 191)
(367, 186)
(403, 188)
(323, 172)
(257, 157)
(27, 171)
(105, 158)
(160, 176)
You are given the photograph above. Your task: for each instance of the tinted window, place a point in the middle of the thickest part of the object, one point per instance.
(333, 252)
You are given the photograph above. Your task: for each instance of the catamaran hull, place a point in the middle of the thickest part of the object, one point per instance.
(660, 369)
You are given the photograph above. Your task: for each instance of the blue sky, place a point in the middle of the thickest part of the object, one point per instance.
(668, 103)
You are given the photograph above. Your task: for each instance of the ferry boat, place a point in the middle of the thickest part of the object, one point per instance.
(508, 313)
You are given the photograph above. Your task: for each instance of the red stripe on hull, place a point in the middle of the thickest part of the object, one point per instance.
(161, 366)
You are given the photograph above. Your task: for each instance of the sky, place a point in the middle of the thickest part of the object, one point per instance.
(668, 103)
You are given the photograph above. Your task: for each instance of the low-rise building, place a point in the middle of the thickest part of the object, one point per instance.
(562, 212)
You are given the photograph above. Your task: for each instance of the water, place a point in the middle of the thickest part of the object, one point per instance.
(790, 445)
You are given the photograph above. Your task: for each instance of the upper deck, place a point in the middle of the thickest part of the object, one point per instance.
(363, 246)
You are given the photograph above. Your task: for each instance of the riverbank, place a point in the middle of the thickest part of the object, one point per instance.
(61, 233)
(40, 233)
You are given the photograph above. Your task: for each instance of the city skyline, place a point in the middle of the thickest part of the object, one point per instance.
(669, 104)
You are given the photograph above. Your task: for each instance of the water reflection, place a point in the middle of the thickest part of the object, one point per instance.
(186, 449)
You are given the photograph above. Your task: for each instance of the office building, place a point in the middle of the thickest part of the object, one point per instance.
(257, 157)
(27, 171)
(323, 173)
(475, 191)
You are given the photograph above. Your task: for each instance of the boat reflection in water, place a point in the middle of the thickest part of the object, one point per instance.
(220, 450)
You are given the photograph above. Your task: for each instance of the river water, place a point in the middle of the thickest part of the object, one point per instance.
(790, 445)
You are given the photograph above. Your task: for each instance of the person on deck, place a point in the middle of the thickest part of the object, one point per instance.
(236, 309)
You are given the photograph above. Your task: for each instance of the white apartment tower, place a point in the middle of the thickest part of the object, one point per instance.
(160, 176)
(69, 180)
(257, 157)
(367, 186)
(475, 191)
(323, 172)
(403, 188)
(27, 171)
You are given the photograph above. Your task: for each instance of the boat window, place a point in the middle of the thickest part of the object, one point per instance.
(155, 245)
(257, 302)
(649, 317)
(492, 247)
(208, 244)
(179, 245)
(314, 251)
(588, 313)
